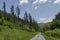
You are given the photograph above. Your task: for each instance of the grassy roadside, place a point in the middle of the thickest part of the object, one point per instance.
(15, 34)
(10, 31)
(52, 34)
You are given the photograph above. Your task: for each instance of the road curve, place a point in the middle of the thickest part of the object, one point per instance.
(38, 37)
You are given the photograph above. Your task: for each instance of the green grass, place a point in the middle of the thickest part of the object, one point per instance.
(10, 31)
(15, 34)
(52, 34)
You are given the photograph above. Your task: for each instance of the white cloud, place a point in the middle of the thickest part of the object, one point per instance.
(57, 1)
(35, 7)
(42, 1)
(49, 20)
(44, 20)
(39, 1)
(23, 1)
(36, 1)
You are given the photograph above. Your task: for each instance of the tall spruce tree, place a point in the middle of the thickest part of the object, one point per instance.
(56, 22)
(18, 11)
(30, 21)
(35, 25)
(26, 17)
(12, 13)
(30, 18)
(4, 7)
(12, 10)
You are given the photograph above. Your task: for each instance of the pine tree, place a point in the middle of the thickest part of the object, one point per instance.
(4, 7)
(12, 13)
(26, 17)
(35, 25)
(56, 22)
(18, 11)
(4, 10)
(12, 10)
(30, 18)
(30, 21)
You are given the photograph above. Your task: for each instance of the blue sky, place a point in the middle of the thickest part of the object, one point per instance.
(42, 10)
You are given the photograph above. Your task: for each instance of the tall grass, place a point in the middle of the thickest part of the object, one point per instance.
(15, 34)
(52, 34)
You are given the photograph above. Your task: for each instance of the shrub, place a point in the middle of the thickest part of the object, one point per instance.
(1, 21)
(0, 15)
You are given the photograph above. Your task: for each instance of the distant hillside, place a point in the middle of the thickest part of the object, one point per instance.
(53, 29)
(30, 23)
(42, 24)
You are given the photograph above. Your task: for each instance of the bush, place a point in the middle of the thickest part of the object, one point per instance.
(2, 21)
(0, 15)
(52, 34)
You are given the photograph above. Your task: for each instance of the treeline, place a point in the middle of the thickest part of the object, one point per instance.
(56, 22)
(14, 17)
(52, 25)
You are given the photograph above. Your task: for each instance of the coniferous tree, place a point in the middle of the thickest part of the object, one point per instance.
(0, 14)
(4, 7)
(30, 18)
(12, 10)
(56, 22)
(30, 21)
(12, 13)
(0, 10)
(35, 25)
(18, 11)
(26, 17)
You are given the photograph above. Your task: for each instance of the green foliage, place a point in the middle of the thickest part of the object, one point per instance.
(4, 7)
(56, 22)
(12, 10)
(45, 27)
(0, 15)
(51, 31)
(11, 17)
(35, 25)
(15, 28)
(15, 34)
(30, 19)
(26, 17)
(52, 34)
(51, 25)
(18, 11)
(2, 21)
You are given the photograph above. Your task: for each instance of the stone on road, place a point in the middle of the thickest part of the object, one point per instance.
(38, 37)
